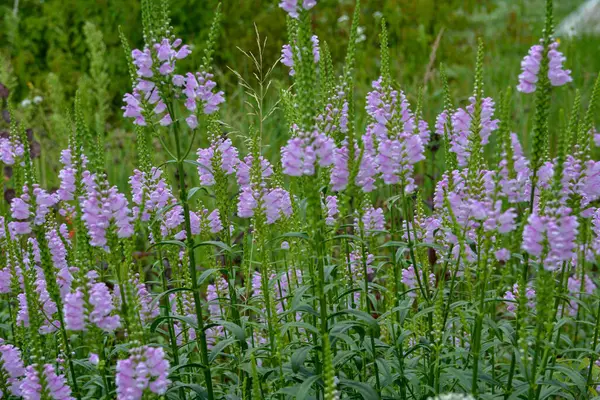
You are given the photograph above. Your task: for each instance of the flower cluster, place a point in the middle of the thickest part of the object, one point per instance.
(155, 69)
(146, 369)
(293, 8)
(530, 67)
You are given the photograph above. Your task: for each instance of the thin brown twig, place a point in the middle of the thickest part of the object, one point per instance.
(434, 48)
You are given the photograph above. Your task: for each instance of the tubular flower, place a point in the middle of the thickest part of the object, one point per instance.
(103, 207)
(340, 173)
(145, 369)
(54, 385)
(228, 160)
(293, 8)
(511, 298)
(277, 204)
(530, 67)
(150, 193)
(96, 309)
(551, 237)
(373, 220)
(409, 279)
(287, 55)
(10, 150)
(11, 368)
(303, 151)
(461, 124)
(332, 210)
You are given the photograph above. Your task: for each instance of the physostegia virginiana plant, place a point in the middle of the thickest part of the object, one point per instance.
(332, 268)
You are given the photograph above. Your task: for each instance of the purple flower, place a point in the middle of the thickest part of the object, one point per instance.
(11, 368)
(100, 208)
(530, 67)
(19, 207)
(340, 173)
(145, 369)
(55, 386)
(23, 313)
(214, 221)
(277, 204)
(133, 108)
(49, 309)
(551, 237)
(101, 301)
(150, 193)
(219, 289)
(332, 210)
(228, 157)
(247, 202)
(200, 88)
(148, 310)
(512, 298)
(243, 169)
(43, 201)
(94, 359)
(74, 311)
(58, 253)
(373, 220)
(367, 171)
(533, 235)
(287, 55)
(300, 154)
(315, 49)
(287, 58)
(293, 8)
(10, 150)
(502, 255)
(557, 75)
(575, 287)
(66, 192)
(461, 123)
(409, 278)
(440, 123)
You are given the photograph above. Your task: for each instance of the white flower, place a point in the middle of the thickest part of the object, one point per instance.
(343, 19)
(452, 396)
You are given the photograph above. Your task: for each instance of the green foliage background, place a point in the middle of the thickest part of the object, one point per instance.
(44, 51)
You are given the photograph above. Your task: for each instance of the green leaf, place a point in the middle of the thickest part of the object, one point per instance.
(576, 378)
(345, 236)
(235, 329)
(218, 348)
(361, 315)
(205, 275)
(298, 324)
(188, 365)
(215, 243)
(168, 292)
(199, 390)
(297, 235)
(299, 357)
(168, 243)
(193, 191)
(164, 318)
(365, 390)
(305, 387)
(394, 244)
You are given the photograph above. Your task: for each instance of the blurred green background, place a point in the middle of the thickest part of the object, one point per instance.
(46, 53)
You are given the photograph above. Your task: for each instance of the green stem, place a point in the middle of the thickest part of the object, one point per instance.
(200, 335)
